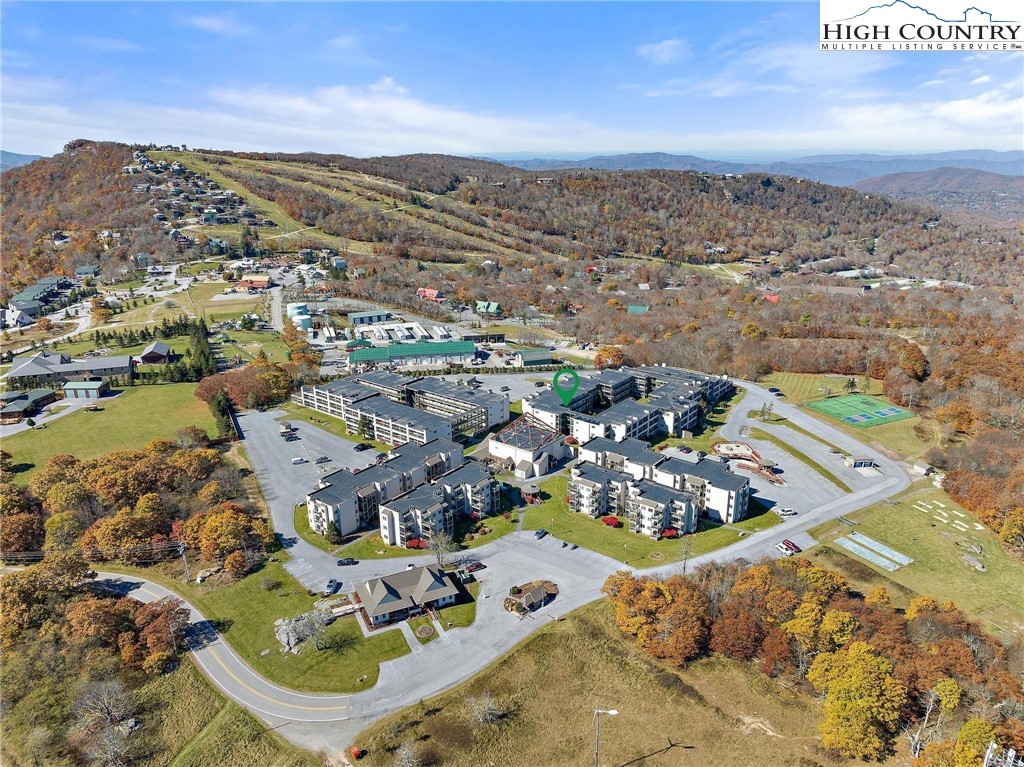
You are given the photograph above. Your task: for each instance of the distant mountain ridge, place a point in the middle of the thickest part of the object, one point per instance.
(10, 160)
(991, 195)
(836, 169)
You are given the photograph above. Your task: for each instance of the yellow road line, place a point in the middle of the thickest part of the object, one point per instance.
(267, 697)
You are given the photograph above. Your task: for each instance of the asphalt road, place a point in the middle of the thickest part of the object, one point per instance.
(333, 721)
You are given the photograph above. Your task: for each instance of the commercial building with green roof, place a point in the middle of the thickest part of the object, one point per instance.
(443, 351)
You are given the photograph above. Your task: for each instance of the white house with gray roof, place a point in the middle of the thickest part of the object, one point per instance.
(406, 594)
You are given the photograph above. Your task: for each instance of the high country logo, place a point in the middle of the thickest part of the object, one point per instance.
(944, 25)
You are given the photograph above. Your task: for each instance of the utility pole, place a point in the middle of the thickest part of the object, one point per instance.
(184, 560)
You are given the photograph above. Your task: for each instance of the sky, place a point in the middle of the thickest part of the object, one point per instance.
(729, 80)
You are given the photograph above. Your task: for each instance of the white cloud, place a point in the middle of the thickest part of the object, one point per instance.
(980, 80)
(226, 25)
(387, 85)
(383, 118)
(343, 42)
(111, 44)
(664, 52)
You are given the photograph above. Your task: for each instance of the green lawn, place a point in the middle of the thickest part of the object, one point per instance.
(199, 267)
(778, 420)
(462, 614)
(937, 549)
(912, 437)
(85, 343)
(201, 298)
(151, 313)
(756, 433)
(417, 623)
(713, 421)
(249, 343)
(801, 388)
(618, 543)
(309, 535)
(128, 421)
(245, 612)
(328, 423)
(372, 547)
(760, 518)
(497, 525)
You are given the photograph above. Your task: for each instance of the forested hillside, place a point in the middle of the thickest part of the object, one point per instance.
(988, 195)
(686, 217)
(80, 192)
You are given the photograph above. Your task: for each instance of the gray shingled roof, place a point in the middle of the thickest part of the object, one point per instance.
(409, 588)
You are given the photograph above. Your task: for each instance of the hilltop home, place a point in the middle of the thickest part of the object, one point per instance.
(405, 594)
(14, 406)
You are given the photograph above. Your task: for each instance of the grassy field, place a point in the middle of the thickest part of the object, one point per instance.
(186, 723)
(202, 300)
(801, 388)
(640, 551)
(245, 611)
(761, 434)
(718, 712)
(937, 549)
(151, 313)
(126, 422)
(372, 547)
(912, 437)
(249, 343)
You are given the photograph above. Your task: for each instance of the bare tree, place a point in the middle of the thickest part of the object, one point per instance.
(406, 756)
(483, 708)
(111, 748)
(103, 704)
(442, 545)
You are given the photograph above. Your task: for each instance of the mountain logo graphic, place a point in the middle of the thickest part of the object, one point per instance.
(904, 5)
(921, 25)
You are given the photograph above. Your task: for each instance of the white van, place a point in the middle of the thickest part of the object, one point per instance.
(784, 549)
(297, 461)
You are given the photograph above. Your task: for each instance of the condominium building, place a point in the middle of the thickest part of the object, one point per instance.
(651, 509)
(708, 483)
(351, 501)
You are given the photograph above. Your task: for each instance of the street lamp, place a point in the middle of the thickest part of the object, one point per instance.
(597, 730)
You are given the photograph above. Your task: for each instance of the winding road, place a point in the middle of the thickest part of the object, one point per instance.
(332, 722)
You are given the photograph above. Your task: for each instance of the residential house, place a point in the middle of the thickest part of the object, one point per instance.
(430, 294)
(156, 353)
(406, 594)
(14, 406)
(52, 367)
(488, 308)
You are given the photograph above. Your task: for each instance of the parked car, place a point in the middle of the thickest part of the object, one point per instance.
(685, 450)
(506, 388)
(322, 459)
(786, 512)
(791, 546)
(332, 587)
(565, 544)
(540, 533)
(779, 394)
(574, 547)
(475, 567)
(540, 385)
(296, 461)
(774, 389)
(292, 438)
(347, 561)
(363, 446)
(784, 549)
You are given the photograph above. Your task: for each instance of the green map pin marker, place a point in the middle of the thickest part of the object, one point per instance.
(565, 392)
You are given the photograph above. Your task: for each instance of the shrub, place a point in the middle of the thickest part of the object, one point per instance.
(669, 532)
(611, 521)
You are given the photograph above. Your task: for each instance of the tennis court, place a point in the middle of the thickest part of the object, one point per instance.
(860, 411)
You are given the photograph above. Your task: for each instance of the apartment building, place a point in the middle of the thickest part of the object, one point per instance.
(432, 508)
(470, 410)
(714, 490)
(352, 501)
(651, 509)
(596, 491)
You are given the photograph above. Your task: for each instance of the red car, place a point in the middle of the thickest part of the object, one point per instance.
(475, 567)
(791, 546)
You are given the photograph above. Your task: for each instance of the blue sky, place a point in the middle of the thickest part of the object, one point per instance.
(723, 79)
